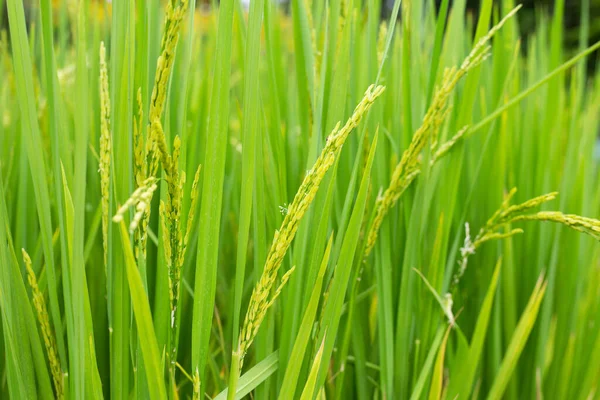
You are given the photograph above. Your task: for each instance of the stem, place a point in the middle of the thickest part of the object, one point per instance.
(234, 374)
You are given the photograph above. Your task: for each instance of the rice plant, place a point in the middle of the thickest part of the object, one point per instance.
(298, 201)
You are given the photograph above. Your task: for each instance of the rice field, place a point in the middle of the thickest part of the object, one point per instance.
(302, 201)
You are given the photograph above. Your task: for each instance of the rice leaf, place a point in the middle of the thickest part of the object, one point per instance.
(143, 319)
(518, 341)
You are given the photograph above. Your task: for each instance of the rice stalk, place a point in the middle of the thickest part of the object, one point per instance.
(383, 32)
(140, 172)
(140, 167)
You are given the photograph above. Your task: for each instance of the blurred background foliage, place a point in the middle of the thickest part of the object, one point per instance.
(531, 14)
(528, 16)
(533, 9)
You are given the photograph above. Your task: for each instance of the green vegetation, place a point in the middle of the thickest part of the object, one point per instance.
(211, 202)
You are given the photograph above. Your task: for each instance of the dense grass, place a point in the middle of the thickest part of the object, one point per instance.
(297, 205)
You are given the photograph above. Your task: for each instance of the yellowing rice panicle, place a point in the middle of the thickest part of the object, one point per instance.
(260, 301)
(47, 333)
(507, 215)
(586, 225)
(140, 199)
(409, 166)
(173, 19)
(105, 148)
(171, 210)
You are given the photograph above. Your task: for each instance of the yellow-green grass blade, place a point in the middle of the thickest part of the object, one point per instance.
(78, 343)
(58, 135)
(472, 80)
(357, 168)
(250, 125)
(335, 113)
(590, 379)
(389, 38)
(407, 71)
(276, 94)
(254, 377)
(561, 314)
(303, 286)
(518, 341)
(260, 222)
(93, 387)
(313, 115)
(21, 374)
(427, 365)
(212, 195)
(292, 372)
(333, 28)
(121, 71)
(463, 378)
(16, 378)
(435, 272)
(385, 281)
(143, 319)
(437, 380)
(541, 82)
(305, 68)
(310, 387)
(437, 48)
(337, 288)
(413, 258)
(23, 69)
